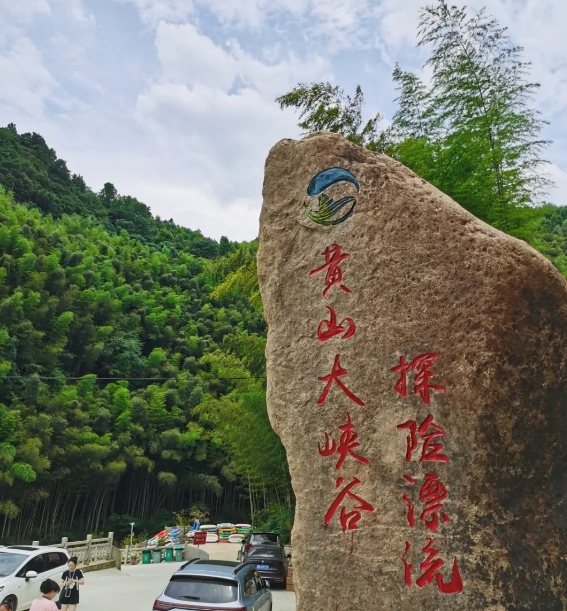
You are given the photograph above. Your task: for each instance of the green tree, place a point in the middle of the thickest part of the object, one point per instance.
(473, 132)
(323, 106)
(81, 303)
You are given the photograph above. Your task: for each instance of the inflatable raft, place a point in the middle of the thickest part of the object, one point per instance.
(225, 530)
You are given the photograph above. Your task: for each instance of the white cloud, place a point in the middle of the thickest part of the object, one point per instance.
(152, 12)
(337, 24)
(559, 176)
(79, 12)
(211, 111)
(23, 10)
(190, 58)
(198, 208)
(177, 108)
(30, 82)
(341, 23)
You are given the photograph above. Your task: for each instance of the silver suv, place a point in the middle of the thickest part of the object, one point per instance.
(217, 584)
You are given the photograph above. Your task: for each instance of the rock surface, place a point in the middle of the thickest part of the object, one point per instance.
(489, 314)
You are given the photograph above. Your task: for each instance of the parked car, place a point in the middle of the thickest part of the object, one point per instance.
(270, 561)
(24, 567)
(257, 538)
(215, 584)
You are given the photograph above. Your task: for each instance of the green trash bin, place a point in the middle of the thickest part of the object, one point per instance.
(157, 556)
(146, 556)
(169, 554)
(179, 553)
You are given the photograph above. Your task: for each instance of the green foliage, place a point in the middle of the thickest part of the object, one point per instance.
(473, 132)
(551, 236)
(324, 107)
(32, 171)
(275, 518)
(199, 511)
(109, 349)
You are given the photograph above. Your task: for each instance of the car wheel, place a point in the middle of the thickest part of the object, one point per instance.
(12, 601)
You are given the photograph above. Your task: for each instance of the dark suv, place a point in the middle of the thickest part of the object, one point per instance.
(215, 584)
(270, 561)
(257, 538)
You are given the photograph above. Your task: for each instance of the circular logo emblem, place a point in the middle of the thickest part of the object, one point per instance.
(325, 210)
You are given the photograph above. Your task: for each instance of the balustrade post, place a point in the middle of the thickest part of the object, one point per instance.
(35, 543)
(64, 542)
(88, 552)
(110, 543)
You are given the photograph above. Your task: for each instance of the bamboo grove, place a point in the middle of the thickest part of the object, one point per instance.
(132, 378)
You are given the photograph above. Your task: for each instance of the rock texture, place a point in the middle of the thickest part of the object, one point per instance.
(425, 278)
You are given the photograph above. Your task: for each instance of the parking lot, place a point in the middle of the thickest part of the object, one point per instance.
(135, 588)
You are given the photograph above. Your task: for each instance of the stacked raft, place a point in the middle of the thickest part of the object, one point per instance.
(224, 533)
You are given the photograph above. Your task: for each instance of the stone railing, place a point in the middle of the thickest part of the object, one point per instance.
(132, 554)
(88, 551)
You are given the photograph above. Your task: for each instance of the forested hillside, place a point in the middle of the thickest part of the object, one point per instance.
(132, 372)
(132, 380)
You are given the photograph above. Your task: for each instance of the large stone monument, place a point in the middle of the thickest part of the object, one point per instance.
(417, 367)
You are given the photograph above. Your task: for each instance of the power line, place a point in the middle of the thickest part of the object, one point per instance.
(36, 377)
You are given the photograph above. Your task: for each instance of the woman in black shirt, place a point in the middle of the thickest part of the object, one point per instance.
(70, 581)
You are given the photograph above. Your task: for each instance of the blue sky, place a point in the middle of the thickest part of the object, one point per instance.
(173, 100)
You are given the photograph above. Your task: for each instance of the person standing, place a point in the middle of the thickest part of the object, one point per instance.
(49, 589)
(71, 579)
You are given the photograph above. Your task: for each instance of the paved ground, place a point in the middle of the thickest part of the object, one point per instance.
(135, 588)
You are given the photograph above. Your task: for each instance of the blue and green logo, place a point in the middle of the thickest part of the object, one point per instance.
(325, 210)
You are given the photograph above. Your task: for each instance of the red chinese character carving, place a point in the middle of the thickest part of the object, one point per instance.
(347, 444)
(408, 501)
(329, 328)
(430, 567)
(411, 516)
(407, 566)
(431, 451)
(349, 519)
(401, 385)
(335, 374)
(411, 439)
(422, 364)
(432, 493)
(334, 256)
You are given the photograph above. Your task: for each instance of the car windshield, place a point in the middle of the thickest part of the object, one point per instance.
(267, 537)
(265, 551)
(9, 562)
(202, 589)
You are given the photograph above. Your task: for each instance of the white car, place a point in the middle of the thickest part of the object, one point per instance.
(23, 568)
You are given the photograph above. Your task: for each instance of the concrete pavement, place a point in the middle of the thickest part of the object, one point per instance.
(135, 588)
